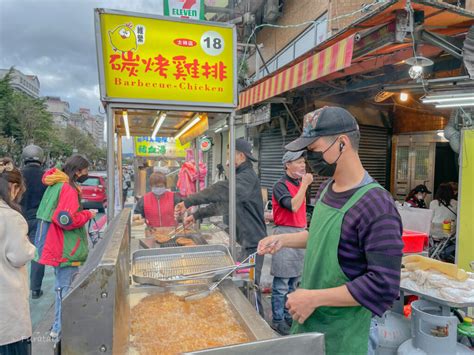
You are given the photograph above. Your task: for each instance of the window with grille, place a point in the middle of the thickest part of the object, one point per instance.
(402, 163)
(422, 155)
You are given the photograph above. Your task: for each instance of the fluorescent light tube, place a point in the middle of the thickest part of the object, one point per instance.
(188, 126)
(448, 99)
(125, 122)
(158, 125)
(459, 104)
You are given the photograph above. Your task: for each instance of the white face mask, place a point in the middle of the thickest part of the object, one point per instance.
(158, 191)
(300, 174)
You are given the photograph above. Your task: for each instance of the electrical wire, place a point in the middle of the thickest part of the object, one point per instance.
(409, 8)
(306, 23)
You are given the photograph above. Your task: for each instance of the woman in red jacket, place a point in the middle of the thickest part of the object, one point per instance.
(61, 238)
(157, 206)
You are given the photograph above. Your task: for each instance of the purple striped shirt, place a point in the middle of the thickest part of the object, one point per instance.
(370, 248)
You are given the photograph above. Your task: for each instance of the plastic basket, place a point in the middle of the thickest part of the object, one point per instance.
(414, 242)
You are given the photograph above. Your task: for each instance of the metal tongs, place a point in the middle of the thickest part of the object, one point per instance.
(179, 227)
(201, 294)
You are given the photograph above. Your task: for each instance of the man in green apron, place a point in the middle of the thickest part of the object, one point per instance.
(353, 247)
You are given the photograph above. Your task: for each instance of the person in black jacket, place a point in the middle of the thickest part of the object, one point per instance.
(33, 158)
(249, 204)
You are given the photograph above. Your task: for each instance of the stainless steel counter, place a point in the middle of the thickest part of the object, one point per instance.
(96, 313)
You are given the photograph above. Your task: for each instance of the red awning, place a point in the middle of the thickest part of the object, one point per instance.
(320, 64)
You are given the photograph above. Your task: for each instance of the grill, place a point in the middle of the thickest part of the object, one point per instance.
(150, 242)
(164, 266)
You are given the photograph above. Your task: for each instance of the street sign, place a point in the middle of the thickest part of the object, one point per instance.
(146, 59)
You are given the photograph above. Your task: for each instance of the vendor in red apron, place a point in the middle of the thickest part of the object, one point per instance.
(289, 215)
(353, 247)
(157, 206)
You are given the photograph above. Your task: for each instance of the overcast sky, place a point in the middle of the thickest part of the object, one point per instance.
(54, 39)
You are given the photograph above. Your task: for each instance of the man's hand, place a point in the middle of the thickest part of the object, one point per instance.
(179, 209)
(307, 179)
(269, 245)
(302, 303)
(189, 221)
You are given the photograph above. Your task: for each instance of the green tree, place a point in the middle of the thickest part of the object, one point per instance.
(34, 121)
(23, 120)
(83, 143)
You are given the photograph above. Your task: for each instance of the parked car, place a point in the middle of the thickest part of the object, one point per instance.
(94, 192)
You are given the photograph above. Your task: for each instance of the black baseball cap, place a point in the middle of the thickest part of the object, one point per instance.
(422, 189)
(245, 147)
(324, 122)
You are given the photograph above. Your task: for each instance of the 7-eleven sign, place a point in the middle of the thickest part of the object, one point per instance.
(191, 9)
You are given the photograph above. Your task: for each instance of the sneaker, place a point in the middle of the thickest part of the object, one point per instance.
(53, 335)
(36, 294)
(281, 327)
(289, 321)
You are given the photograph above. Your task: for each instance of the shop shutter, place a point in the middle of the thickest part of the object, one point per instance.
(373, 152)
(374, 155)
(272, 148)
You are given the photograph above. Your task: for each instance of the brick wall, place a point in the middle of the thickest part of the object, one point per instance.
(408, 121)
(339, 8)
(294, 11)
(298, 11)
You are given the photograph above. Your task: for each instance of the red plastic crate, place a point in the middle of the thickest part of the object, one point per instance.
(414, 241)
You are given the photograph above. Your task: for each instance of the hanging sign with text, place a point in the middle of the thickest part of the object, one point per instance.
(166, 60)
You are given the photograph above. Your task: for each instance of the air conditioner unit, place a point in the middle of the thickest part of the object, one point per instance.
(272, 10)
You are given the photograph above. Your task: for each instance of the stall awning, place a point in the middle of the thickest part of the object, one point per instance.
(329, 60)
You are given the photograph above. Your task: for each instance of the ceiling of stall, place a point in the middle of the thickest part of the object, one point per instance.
(142, 122)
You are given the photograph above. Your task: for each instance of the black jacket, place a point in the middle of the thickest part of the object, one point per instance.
(249, 205)
(32, 173)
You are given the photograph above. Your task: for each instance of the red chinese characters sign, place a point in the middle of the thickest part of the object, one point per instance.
(160, 60)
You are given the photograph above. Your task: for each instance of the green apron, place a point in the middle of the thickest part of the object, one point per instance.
(346, 329)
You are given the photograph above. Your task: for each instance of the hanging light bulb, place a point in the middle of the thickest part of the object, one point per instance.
(403, 96)
(415, 71)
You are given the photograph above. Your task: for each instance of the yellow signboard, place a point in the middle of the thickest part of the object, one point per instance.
(160, 147)
(465, 237)
(152, 59)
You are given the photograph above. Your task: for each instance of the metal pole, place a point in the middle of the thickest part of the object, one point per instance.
(232, 187)
(110, 165)
(196, 162)
(119, 168)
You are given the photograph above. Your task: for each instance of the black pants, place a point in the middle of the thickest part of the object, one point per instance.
(22, 347)
(37, 270)
(245, 252)
(124, 197)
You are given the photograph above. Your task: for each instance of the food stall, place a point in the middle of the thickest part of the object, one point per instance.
(164, 77)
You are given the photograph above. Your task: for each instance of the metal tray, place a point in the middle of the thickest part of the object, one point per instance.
(439, 301)
(163, 266)
(309, 343)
